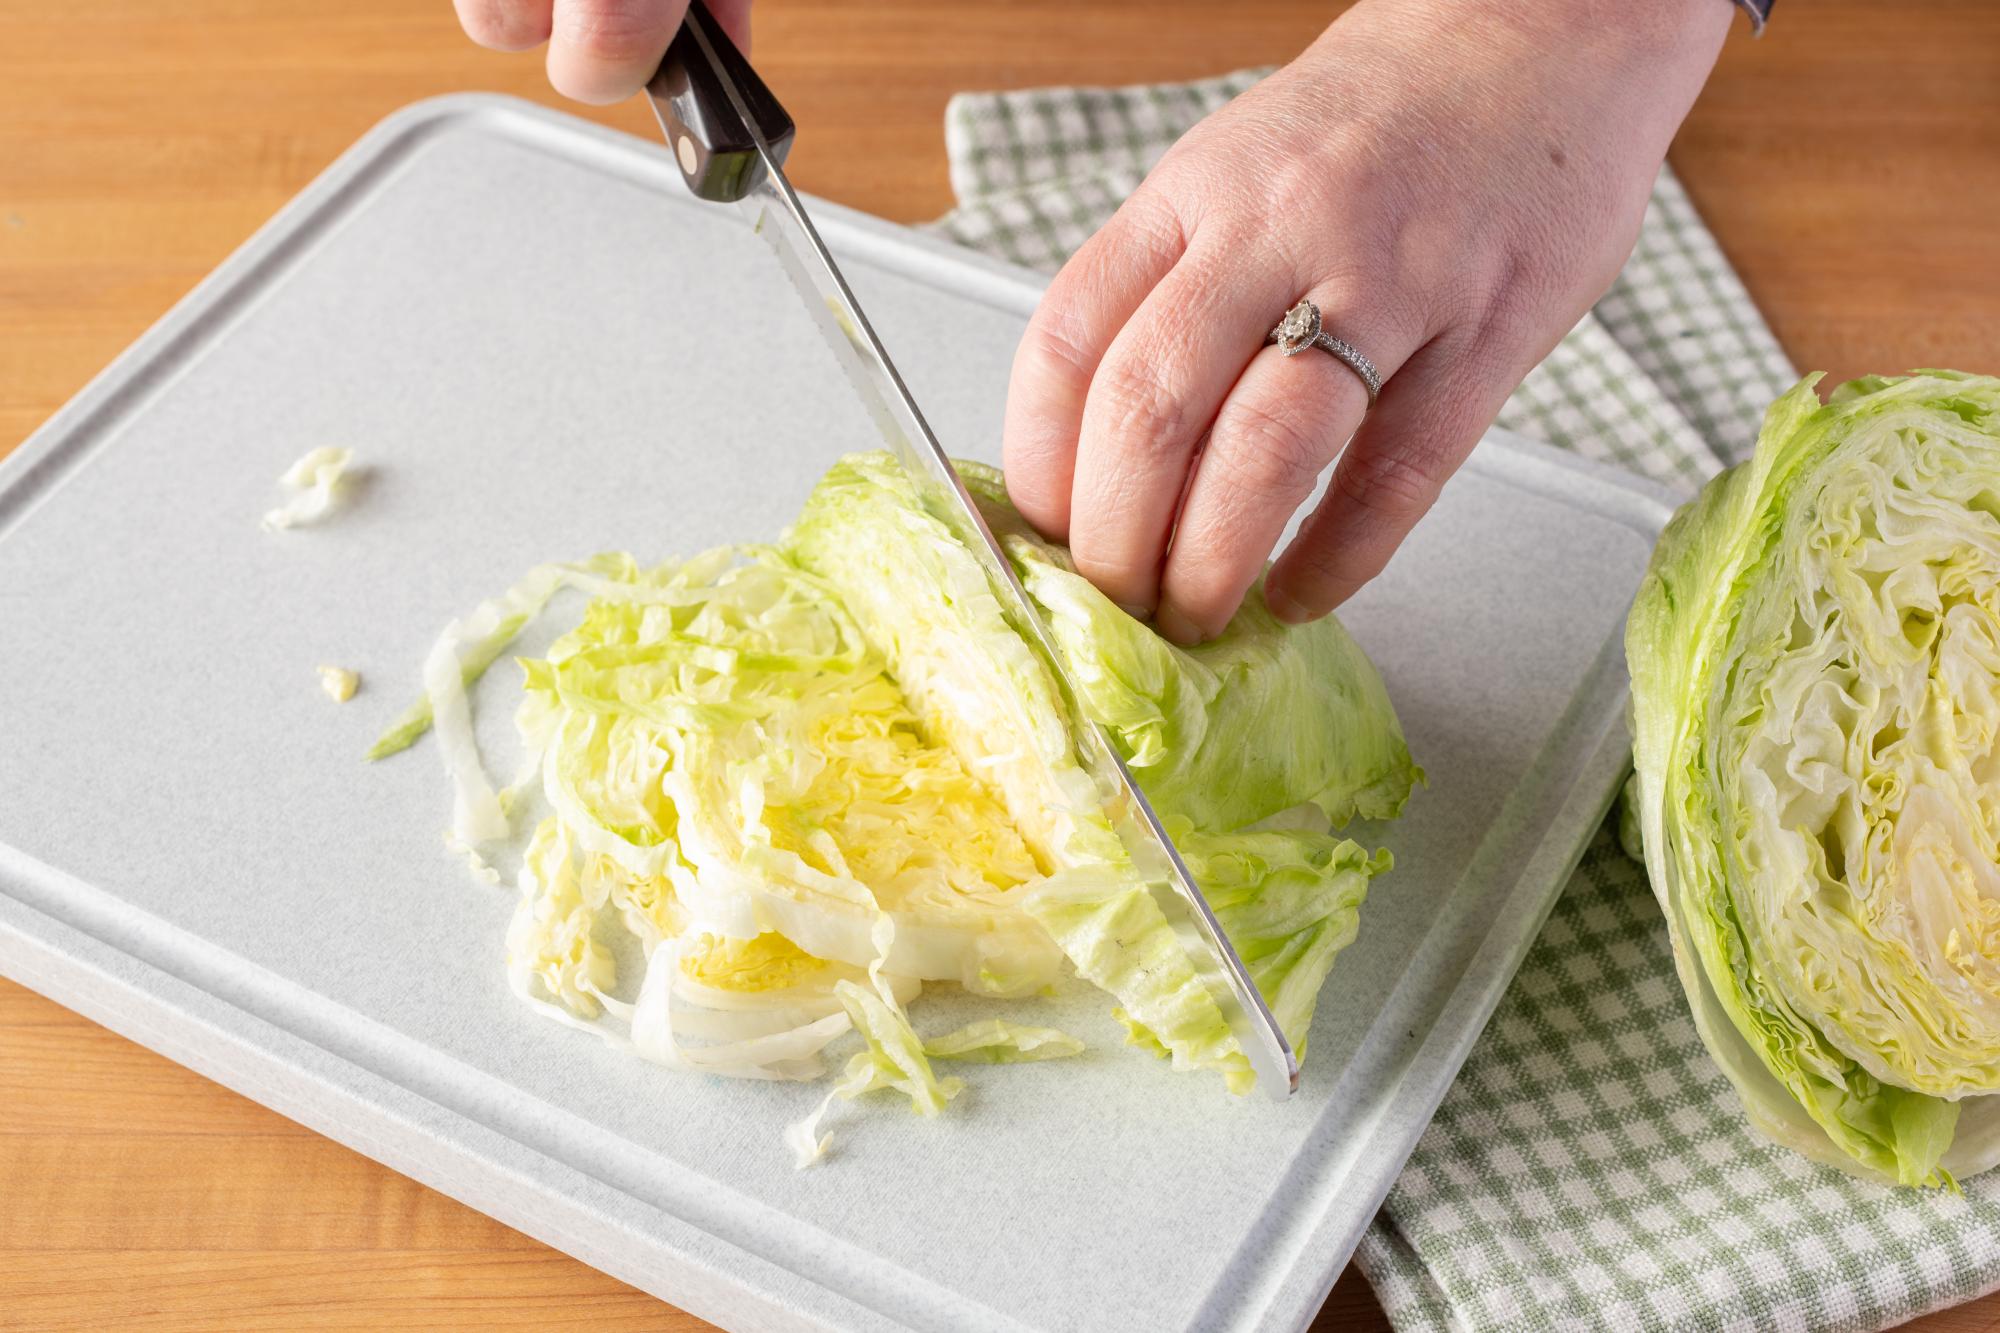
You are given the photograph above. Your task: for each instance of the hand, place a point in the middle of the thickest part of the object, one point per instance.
(1452, 182)
(600, 51)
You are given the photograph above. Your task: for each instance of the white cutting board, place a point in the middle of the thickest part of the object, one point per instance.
(542, 347)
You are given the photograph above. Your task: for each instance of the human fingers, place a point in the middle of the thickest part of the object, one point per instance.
(1429, 418)
(601, 51)
(1283, 422)
(1151, 402)
(505, 25)
(1086, 305)
(734, 16)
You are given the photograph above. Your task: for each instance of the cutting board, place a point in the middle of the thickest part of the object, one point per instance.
(539, 346)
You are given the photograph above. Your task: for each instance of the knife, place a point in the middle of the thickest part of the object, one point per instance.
(730, 136)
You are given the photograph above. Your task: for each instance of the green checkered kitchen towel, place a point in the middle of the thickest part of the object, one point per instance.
(1591, 1168)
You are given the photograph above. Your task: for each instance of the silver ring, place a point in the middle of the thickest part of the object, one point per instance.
(1300, 329)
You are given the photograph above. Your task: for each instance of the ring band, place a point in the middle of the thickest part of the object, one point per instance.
(1300, 329)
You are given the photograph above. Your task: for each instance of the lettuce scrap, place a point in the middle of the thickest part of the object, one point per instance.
(314, 481)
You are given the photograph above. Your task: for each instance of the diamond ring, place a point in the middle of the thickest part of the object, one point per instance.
(1300, 329)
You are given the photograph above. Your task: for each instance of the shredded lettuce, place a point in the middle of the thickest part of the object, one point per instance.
(1000, 1042)
(803, 781)
(314, 481)
(497, 624)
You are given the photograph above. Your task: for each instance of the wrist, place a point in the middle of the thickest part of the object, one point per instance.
(1652, 36)
(1647, 29)
(1642, 29)
(1650, 56)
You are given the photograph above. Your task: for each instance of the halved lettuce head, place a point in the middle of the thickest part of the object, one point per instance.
(1815, 657)
(1261, 723)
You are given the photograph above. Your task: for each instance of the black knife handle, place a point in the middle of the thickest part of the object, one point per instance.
(709, 139)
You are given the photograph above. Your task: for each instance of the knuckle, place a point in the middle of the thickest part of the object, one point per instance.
(1509, 309)
(1351, 197)
(1117, 573)
(1530, 275)
(1267, 454)
(503, 26)
(1147, 226)
(1457, 300)
(1207, 571)
(1135, 407)
(1395, 484)
(1305, 183)
(1145, 234)
(1529, 305)
(1055, 341)
(1317, 572)
(1066, 334)
(1125, 563)
(615, 31)
(1547, 265)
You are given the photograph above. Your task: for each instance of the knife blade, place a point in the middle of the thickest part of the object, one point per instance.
(729, 136)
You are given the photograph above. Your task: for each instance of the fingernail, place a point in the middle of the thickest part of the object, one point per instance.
(1285, 609)
(1176, 627)
(1135, 611)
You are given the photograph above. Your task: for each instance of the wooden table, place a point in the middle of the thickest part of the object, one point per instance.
(1850, 162)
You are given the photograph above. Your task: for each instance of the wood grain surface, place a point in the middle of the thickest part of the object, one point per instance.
(1850, 163)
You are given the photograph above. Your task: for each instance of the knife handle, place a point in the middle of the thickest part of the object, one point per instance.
(715, 149)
